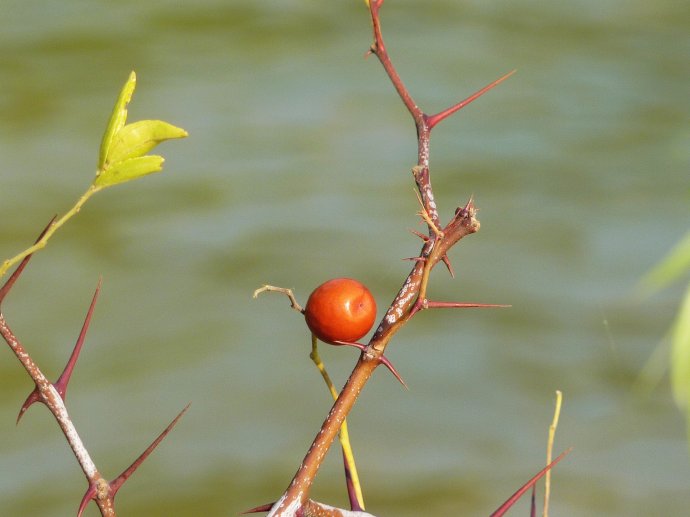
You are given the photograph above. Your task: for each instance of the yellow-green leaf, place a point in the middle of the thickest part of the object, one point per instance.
(138, 138)
(680, 354)
(672, 267)
(127, 170)
(117, 118)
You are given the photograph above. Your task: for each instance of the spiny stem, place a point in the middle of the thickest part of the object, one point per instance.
(52, 399)
(413, 290)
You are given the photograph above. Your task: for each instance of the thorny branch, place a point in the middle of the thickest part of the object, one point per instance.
(412, 296)
(53, 396)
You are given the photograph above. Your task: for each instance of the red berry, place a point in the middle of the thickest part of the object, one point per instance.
(341, 309)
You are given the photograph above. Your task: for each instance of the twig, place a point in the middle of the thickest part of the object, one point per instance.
(284, 290)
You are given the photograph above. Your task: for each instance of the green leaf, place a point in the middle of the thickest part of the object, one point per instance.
(130, 169)
(670, 268)
(117, 119)
(138, 138)
(680, 354)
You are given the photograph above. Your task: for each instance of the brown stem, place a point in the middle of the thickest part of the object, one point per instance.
(298, 492)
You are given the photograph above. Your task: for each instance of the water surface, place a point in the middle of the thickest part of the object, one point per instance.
(297, 170)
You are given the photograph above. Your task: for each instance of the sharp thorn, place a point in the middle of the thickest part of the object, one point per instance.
(117, 483)
(259, 509)
(384, 360)
(63, 380)
(419, 234)
(463, 305)
(417, 259)
(513, 498)
(438, 117)
(354, 344)
(449, 266)
(33, 397)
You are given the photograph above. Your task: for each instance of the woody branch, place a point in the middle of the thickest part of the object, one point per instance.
(53, 396)
(412, 296)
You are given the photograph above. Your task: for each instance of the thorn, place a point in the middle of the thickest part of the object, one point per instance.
(383, 359)
(449, 266)
(468, 210)
(349, 343)
(425, 238)
(432, 120)
(392, 369)
(88, 496)
(33, 397)
(418, 305)
(100, 488)
(258, 509)
(513, 498)
(61, 384)
(117, 483)
(416, 259)
(426, 304)
(17, 272)
(461, 305)
(63, 380)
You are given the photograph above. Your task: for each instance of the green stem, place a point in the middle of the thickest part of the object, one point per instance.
(344, 434)
(41, 243)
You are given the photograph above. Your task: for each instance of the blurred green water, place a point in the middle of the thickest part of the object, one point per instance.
(297, 170)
